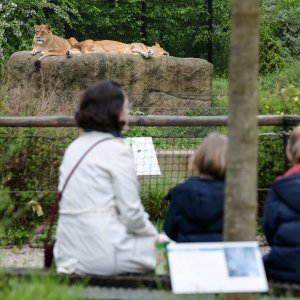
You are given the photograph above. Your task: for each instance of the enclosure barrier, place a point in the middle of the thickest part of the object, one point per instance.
(31, 149)
(150, 120)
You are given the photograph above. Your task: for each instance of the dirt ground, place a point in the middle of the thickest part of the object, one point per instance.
(21, 257)
(32, 257)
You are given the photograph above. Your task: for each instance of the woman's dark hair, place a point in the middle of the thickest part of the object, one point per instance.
(100, 107)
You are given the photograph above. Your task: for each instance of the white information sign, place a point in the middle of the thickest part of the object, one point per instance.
(144, 154)
(226, 267)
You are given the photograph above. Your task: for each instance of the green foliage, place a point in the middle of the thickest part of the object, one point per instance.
(18, 17)
(7, 207)
(29, 163)
(156, 205)
(280, 39)
(221, 36)
(144, 131)
(153, 194)
(281, 19)
(107, 19)
(176, 23)
(280, 92)
(6, 210)
(271, 155)
(285, 102)
(273, 56)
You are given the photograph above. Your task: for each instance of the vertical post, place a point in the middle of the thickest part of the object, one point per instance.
(188, 50)
(209, 4)
(144, 20)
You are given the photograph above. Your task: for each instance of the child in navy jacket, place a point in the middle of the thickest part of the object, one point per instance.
(281, 219)
(195, 212)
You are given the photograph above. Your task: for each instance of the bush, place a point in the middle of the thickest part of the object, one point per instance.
(273, 57)
(29, 173)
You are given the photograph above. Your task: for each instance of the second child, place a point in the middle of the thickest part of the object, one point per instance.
(195, 212)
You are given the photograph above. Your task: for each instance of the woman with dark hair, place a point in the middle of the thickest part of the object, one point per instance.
(102, 227)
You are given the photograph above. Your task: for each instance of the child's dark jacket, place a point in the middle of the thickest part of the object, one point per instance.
(195, 211)
(281, 224)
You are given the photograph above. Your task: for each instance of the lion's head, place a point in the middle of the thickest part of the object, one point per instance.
(158, 50)
(42, 33)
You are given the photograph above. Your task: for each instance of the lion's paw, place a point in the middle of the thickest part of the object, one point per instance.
(69, 54)
(150, 52)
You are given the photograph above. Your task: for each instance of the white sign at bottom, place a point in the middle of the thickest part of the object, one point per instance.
(225, 267)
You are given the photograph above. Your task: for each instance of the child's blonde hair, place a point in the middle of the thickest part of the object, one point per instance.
(293, 146)
(210, 157)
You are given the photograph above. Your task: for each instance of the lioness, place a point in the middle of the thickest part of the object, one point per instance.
(48, 44)
(108, 46)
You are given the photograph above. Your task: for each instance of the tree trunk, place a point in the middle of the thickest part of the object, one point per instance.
(241, 174)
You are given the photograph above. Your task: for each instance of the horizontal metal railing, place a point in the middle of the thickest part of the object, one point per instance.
(149, 120)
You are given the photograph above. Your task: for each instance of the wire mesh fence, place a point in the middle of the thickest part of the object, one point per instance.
(30, 159)
(33, 159)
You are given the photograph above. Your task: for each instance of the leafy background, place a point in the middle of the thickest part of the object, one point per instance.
(179, 26)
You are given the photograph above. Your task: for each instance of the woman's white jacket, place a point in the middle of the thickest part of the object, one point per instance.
(102, 227)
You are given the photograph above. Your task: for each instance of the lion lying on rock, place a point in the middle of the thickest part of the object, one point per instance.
(108, 46)
(48, 44)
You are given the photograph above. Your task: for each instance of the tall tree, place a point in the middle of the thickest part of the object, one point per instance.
(241, 197)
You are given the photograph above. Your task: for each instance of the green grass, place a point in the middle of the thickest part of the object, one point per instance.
(54, 288)
(278, 93)
(46, 288)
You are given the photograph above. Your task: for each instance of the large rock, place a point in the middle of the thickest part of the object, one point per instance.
(162, 85)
